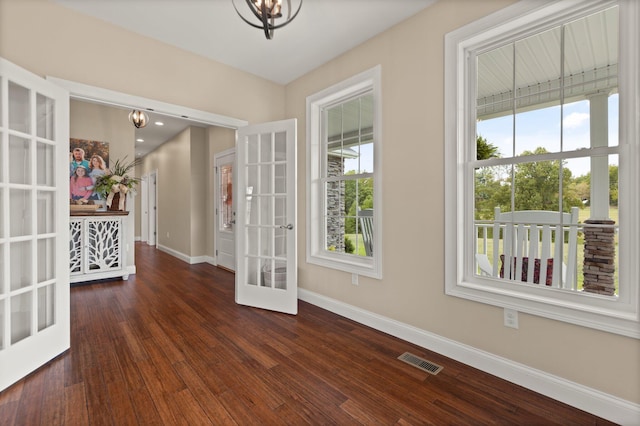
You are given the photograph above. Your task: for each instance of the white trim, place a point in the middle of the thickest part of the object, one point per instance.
(191, 260)
(123, 100)
(619, 315)
(316, 253)
(582, 397)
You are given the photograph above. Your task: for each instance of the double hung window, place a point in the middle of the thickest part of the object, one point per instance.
(343, 143)
(540, 107)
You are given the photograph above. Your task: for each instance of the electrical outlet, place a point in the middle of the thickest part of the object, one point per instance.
(354, 279)
(510, 318)
(167, 235)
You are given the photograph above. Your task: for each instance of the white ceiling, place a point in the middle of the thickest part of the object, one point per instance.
(323, 30)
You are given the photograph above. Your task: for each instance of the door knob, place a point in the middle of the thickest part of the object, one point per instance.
(289, 226)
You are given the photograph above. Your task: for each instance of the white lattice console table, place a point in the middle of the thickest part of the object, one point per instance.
(97, 246)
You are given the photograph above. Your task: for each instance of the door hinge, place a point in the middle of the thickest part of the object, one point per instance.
(216, 253)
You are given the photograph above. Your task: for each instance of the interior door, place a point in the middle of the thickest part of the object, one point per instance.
(153, 209)
(225, 210)
(266, 275)
(34, 222)
(144, 207)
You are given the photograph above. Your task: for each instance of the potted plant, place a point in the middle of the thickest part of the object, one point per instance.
(116, 183)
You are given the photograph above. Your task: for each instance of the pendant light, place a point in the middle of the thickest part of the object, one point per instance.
(138, 118)
(267, 11)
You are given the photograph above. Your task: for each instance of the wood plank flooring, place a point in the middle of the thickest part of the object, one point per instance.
(170, 346)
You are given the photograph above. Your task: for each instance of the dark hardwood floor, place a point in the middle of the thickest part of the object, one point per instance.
(170, 346)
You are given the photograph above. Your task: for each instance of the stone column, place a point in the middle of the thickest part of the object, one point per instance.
(599, 254)
(335, 206)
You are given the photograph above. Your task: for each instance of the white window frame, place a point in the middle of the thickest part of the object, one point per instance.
(317, 252)
(621, 314)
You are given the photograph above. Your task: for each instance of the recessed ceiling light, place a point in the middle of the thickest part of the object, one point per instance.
(159, 123)
(139, 140)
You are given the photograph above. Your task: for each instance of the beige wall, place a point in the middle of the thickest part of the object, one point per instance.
(172, 161)
(184, 168)
(64, 44)
(412, 290)
(49, 39)
(107, 124)
(199, 190)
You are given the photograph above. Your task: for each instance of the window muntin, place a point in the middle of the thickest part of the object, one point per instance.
(348, 173)
(344, 168)
(568, 97)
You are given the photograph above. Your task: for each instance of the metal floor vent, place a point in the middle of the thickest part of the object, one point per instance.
(420, 363)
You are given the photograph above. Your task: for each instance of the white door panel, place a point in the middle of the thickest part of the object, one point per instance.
(225, 210)
(34, 222)
(265, 194)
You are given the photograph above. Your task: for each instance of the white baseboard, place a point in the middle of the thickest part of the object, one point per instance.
(137, 238)
(175, 253)
(186, 258)
(582, 397)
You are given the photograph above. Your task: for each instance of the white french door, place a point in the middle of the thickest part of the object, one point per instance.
(225, 210)
(34, 222)
(265, 193)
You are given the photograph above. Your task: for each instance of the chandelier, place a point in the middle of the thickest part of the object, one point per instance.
(267, 11)
(138, 118)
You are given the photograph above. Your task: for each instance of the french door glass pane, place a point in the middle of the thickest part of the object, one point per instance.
(46, 259)
(3, 286)
(20, 317)
(280, 242)
(2, 311)
(266, 151)
(280, 204)
(280, 179)
(45, 116)
(266, 242)
(44, 166)
(46, 212)
(20, 264)
(20, 212)
(19, 107)
(265, 179)
(266, 211)
(2, 163)
(252, 238)
(252, 149)
(2, 235)
(19, 160)
(280, 145)
(225, 192)
(46, 306)
(253, 271)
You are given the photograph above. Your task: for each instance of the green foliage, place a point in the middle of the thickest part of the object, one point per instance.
(537, 186)
(582, 185)
(117, 174)
(357, 192)
(348, 245)
(485, 150)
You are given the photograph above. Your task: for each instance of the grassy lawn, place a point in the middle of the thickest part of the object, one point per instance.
(584, 214)
(358, 244)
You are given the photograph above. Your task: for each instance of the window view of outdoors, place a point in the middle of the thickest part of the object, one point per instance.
(551, 148)
(349, 176)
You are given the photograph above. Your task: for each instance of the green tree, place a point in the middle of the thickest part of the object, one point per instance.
(357, 193)
(485, 150)
(537, 187)
(583, 185)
